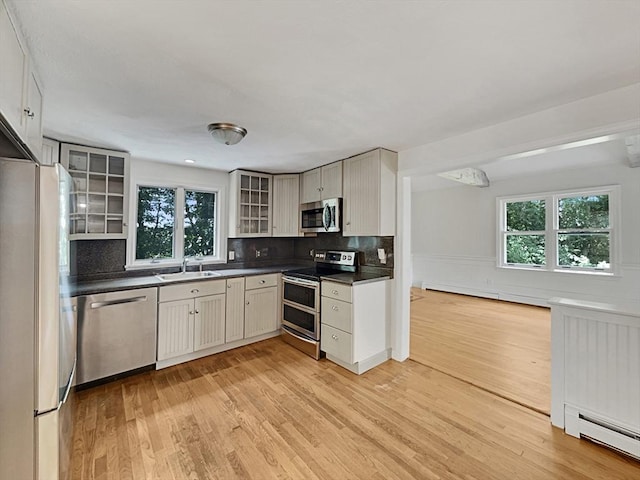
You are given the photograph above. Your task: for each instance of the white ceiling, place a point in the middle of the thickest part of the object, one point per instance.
(605, 153)
(314, 81)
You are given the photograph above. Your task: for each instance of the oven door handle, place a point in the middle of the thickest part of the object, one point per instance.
(300, 281)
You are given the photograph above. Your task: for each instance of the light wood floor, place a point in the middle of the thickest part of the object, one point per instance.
(267, 411)
(500, 346)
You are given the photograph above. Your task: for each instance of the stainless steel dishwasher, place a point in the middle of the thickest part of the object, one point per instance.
(116, 333)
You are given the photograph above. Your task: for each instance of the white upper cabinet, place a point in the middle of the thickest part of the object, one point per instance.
(322, 182)
(286, 207)
(20, 93)
(50, 152)
(32, 118)
(250, 204)
(100, 191)
(369, 202)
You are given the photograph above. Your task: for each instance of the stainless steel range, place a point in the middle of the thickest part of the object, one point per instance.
(301, 298)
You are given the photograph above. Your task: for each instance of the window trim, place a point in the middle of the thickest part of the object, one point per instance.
(178, 229)
(552, 230)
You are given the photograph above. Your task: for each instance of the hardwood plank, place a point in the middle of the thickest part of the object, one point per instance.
(268, 411)
(502, 347)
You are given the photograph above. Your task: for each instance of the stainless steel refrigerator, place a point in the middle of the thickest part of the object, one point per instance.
(37, 322)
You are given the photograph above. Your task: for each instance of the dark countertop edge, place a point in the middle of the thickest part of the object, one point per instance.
(133, 283)
(356, 278)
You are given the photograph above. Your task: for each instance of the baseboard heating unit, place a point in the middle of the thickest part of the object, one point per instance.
(595, 372)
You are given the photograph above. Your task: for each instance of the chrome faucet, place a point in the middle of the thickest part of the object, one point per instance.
(185, 260)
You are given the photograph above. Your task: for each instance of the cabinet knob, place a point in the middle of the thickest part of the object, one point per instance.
(191, 313)
(30, 113)
(334, 308)
(335, 292)
(195, 290)
(348, 223)
(247, 303)
(334, 336)
(229, 286)
(197, 312)
(263, 281)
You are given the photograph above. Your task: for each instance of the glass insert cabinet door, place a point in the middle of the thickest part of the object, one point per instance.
(99, 191)
(253, 215)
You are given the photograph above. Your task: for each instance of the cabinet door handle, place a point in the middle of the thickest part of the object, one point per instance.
(29, 112)
(195, 290)
(335, 292)
(334, 336)
(334, 308)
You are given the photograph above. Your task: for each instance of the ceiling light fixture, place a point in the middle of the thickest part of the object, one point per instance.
(188, 160)
(468, 176)
(226, 133)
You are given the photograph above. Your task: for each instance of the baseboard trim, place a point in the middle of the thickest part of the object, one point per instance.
(362, 366)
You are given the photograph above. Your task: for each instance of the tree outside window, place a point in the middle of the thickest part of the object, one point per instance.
(558, 231)
(173, 223)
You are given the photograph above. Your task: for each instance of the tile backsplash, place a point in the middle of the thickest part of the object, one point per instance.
(98, 259)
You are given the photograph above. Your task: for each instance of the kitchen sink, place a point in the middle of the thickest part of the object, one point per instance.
(176, 277)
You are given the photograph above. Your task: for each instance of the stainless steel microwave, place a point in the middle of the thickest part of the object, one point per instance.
(322, 216)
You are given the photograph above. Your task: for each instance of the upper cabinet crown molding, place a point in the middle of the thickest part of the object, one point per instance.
(21, 96)
(321, 183)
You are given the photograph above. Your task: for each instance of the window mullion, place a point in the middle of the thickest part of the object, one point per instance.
(178, 231)
(551, 236)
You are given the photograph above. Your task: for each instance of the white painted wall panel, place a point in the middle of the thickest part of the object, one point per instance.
(454, 240)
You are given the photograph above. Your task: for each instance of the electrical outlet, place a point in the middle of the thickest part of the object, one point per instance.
(232, 255)
(311, 252)
(257, 253)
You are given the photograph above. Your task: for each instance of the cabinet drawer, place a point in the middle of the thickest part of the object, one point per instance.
(261, 281)
(190, 290)
(337, 343)
(337, 314)
(338, 291)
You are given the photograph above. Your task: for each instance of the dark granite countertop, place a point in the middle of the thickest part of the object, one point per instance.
(357, 278)
(131, 283)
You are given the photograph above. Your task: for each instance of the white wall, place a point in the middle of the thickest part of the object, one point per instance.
(454, 240)
(144, 172)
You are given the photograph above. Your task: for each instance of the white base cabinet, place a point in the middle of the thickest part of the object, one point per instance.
(355, 322)
(194, 322)
(261, 305)
(202, 318)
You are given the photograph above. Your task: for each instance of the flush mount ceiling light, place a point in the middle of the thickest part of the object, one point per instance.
(226, 133)
(468, 176)
(188, 160)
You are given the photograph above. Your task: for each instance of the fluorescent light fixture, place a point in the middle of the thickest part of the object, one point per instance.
(468, 176)
(188, 160)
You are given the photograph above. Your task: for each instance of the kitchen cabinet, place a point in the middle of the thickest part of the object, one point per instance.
(20, 92)
(50, 152)
(369, 201)
(250, 204)
(261, 313)
(355, 323)
(100, 191)
(191, 317)
(321, 183)
(286, 206)
(235, 310)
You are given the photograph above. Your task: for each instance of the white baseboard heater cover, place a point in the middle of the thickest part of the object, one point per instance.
(584, 425)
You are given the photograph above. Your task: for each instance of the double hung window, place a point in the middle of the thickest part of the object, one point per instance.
(175, 222)
(574, 231)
